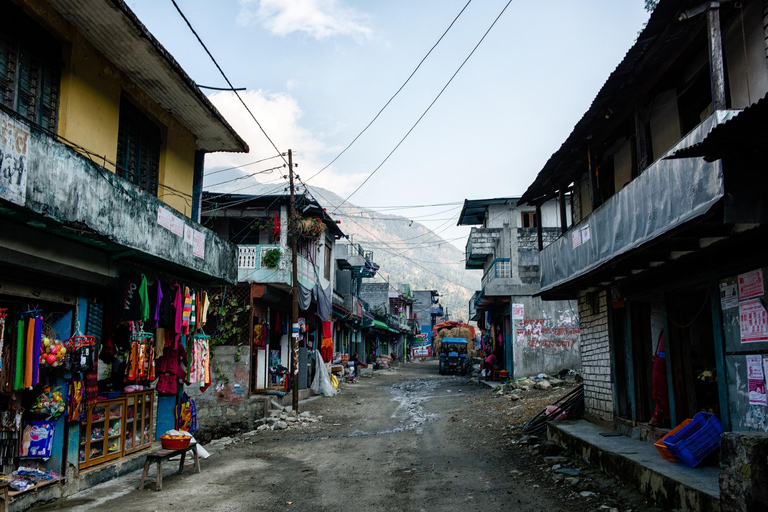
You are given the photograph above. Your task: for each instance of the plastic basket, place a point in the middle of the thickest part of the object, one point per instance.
(695, 441)
(171, 443)
(663, 450)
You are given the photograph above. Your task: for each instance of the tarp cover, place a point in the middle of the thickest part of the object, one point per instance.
(666, 195)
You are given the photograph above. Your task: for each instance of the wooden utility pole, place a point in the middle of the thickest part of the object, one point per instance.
(294, 291)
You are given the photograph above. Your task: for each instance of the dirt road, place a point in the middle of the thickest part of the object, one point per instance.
(404, 440)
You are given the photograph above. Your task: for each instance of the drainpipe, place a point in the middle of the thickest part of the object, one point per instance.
(716, 65)
(197, 185)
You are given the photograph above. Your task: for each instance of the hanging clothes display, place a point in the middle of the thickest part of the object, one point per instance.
(186, 415)
(3, 314)
(260, 332)
(140, 365)
(200, 361)
(326, 345)
(76, 401)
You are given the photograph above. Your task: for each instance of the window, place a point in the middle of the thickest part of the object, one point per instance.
(30, 63)
(529, 220)
(328, 260)
(138, 148)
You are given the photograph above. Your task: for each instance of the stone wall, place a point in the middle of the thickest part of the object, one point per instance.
(596, 355)
(376, 295)
(226, 407)
(743, 471)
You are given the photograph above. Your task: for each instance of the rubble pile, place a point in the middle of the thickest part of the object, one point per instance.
(285, 420)
(515, 389)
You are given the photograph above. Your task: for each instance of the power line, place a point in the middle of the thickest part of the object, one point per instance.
(394, 95)
(217, 171)
(234, 90)
(265, 171)
(428, 108)
(401, 207)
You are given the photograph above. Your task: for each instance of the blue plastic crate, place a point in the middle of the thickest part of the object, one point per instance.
(699, 438)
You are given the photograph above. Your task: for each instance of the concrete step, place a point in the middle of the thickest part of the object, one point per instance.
(670, 485)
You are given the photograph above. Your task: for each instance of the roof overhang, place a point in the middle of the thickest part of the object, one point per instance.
(474, 210)
(113, 29)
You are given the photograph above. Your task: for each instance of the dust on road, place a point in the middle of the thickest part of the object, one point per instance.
(406, 440)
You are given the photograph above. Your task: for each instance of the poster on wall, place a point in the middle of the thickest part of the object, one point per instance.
(751, 284)
(585, 234)
(753, 321)
(576, 238)
(518, 311)
(13, 160)
(756, 381)
(729, 296)
(164, 217)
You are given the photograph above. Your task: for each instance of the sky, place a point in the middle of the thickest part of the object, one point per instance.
(317, 71)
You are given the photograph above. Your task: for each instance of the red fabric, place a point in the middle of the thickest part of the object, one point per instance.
(327, 354)
(327, 329)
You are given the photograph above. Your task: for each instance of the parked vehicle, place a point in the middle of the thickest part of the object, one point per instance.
(453, 356)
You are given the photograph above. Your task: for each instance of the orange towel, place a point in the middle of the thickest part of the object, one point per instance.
(29, 351)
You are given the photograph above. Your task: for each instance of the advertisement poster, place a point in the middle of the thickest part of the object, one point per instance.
(189, 235)
(751, 284)
(198, 244)
(729, 296)
(177, 226)
(585, 234)
(753, 321)
(756, 380)
(164, 217)
(518, 311)
(13, 160)
(576, 238)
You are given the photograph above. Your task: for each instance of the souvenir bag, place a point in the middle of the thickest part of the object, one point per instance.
(186, 415)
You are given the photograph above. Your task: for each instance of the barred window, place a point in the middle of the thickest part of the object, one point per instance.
(138, 147)
(30, 67)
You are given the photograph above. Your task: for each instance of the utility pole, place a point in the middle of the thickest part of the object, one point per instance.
(294, 291)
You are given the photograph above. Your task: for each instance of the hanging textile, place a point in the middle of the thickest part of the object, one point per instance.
(200, 361)
(259, 333)
(130, 306)
(36, 341)
(92, 386)
(178, 310)
(326, 345)
(3, 314)
(29, 351)
(18, 382)
(192, 311)
(169, 368)
(186, 415)
(204, 308)
(76, 401)
(143, 299)
(186, 311)
(141, 358)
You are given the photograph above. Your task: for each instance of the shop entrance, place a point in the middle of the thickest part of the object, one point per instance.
(691, 346)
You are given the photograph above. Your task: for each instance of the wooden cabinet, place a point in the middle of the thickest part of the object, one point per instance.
(101, 434)
(139, 420)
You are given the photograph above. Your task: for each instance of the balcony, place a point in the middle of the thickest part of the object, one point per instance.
(497, 280)
(481, 244)
(251, 267)
(97, 217)
(667, 195)
(353, 257)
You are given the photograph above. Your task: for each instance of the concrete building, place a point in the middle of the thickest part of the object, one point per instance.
(528, 335)
(663, 256)
(102, 144)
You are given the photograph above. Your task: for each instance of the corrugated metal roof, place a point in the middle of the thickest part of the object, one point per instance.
(473, 211)
(749, 129)
(115, 31)
(659, 41)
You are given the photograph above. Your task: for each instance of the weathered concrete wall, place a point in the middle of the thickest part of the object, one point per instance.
(744, 472)
(596, 355)
(547, 338)
(376, 295)
(225, 407)
(58, 183)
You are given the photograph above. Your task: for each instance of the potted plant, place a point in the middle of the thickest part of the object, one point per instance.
(272, 258)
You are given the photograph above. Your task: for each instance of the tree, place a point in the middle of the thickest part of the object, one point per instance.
(650, 5)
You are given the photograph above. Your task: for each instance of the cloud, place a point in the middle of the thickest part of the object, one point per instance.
(318, 18)
(280, 116)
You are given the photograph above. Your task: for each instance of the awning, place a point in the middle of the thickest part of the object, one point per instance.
(378, 324)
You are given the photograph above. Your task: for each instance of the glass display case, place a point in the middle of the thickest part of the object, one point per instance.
(139, 420)
(101, 434)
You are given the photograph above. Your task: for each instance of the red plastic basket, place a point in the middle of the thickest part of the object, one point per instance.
(175, 444)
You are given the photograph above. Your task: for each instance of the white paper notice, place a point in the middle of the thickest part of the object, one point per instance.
(518, 311)
(585, 234)
(189, 235)
(753, 321)
(198, 244)
(576, 238)
(177, 226)
(164, 217)
(729, 296)
(756, 380)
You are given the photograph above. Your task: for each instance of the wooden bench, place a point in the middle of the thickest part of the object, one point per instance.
(158, 456)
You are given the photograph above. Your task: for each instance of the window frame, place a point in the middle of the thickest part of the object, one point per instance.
(139, 147)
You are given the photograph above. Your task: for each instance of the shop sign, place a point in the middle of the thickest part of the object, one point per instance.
(13, 160)
(753, 321)
(751, 284)
(518, 311)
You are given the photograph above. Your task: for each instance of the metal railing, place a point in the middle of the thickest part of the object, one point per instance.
(500, 268)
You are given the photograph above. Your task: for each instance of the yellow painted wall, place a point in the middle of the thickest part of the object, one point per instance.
(91, 87)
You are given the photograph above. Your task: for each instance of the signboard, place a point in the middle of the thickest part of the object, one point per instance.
(13, 160)
(753, 321)
(518, 311)
(751, 284)
(422, 351)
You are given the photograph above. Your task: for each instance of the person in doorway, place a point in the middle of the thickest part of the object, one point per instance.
(490, 364)
(659, 385)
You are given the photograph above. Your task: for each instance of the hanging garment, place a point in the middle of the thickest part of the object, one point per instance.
(29, 351)
(192, 311)
(2, 337)
(170, 369)
(155, 304)
(186, 311)
(36, 341)
(204, 304)
(92, 386)
(76, 401)
(199, 362)
(141, 358)
(130, 305)
(143, 299)
(18, 381)
(186, 415)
